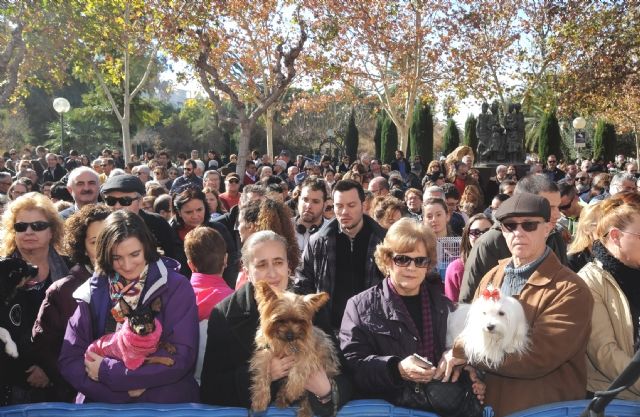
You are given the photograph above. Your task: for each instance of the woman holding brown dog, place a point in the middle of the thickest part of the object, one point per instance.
(128, 267)
(232, 329)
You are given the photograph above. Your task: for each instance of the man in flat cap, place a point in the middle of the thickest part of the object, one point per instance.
(125, 192)
(557, 306)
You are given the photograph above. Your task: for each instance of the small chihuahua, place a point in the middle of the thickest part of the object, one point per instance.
(138, 338)
(286, 328)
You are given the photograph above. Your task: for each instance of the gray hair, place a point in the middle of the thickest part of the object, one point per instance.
(248, 248)
(433, 192)
(117, 171)
(618, 179)
(143, 168)
(211, 172)
(79, 171)
(500, 168)
(251, 189)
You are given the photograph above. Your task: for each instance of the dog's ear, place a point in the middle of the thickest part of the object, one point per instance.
(315, 301)
(156, 305)
(124, 307)
(264, 293)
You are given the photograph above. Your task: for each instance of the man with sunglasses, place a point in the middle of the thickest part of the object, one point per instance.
(570, 208)
(231, 196)
(554, 173)
(492, 247)
(557, 306)
(188, 178)
(124, 192)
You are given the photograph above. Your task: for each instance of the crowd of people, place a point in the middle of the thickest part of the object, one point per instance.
(190, 237)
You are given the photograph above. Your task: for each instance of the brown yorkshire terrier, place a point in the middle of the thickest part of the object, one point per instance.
(286, 328)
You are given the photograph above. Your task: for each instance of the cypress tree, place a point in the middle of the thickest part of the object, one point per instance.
(351, 140)
(451, 137)
(609, 142)
(388, 141)
(421, 133)
(597, 144)
(470, 137)
(377, 136)
(549, 137)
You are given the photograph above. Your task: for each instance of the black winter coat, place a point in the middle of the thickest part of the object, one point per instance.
(375, 337)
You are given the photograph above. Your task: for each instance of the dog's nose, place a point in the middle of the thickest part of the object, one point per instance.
(490, 327)
(289, 336)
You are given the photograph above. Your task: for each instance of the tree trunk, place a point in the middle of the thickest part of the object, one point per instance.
(243, 146)
(269, 128)
(126, 139)
(403, 137)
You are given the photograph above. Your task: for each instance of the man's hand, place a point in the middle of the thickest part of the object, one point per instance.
(449, 367)
(92, 365)
(413, 370)
(37, 378)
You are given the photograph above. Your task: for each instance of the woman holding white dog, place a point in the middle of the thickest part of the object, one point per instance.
(406, 314)
(232, 329)
(557, 306)
(612, 277)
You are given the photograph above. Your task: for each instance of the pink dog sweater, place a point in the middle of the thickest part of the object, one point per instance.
(127, 346)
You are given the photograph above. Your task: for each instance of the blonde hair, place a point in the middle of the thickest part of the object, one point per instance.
(30, 201)
(404, 236)
(585, 231)
(619, 212)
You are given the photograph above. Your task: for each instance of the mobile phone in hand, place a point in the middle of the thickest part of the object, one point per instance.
(422, 359)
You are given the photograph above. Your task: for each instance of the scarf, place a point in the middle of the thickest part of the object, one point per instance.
(515, 278)
(627, 279)
(426, 347)
(125, 345)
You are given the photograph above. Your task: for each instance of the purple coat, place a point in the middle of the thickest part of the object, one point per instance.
(179, 318)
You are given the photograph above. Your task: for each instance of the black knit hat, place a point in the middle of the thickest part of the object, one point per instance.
(524, 205)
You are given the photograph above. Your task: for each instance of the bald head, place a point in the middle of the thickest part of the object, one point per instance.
(379, 186)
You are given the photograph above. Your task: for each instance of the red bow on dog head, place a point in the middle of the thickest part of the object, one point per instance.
(491, 293)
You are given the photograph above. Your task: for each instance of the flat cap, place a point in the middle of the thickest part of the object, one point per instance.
(524, 205)
(125, 183)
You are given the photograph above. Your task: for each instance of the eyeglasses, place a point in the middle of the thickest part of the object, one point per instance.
(631, 233)
(581, 179)
(35, 226)
(233, 181)
(124, 201)
(404, 260)
(526, 226)
(477, 232)
(328, 208)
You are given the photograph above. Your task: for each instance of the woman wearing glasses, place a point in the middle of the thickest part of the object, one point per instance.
(384, 326)
(31, 230)
(612, 277)
(477, 226)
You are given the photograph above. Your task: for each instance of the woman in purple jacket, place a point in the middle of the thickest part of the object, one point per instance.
(128, 266)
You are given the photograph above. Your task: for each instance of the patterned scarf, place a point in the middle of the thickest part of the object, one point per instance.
(426, 347)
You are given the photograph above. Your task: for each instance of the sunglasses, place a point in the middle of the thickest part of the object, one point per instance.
(526, 226)
(566, 206)
(35, 226)
(233, 181)
(404, 260)
(477, 232)
(328, 208)
(188, 169)
(124, 201)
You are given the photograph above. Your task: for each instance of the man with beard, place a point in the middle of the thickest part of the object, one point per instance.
(339, 257)
(189, 178)
(583, 185)
(311, 202)
(83, 184)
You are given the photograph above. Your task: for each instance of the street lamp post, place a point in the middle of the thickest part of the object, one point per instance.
(61, 106)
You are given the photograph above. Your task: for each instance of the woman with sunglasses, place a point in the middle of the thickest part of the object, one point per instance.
(32, 230)
(477, 226)
(384, 326)
(129, 268)
(612, 277)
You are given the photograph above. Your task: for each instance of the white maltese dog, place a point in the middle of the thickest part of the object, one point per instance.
(490, 327)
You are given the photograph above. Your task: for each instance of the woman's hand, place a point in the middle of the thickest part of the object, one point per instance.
(318, 384)
(93, 366)
(279, 367)
(411, 369)
(449, 367)
(37, 377)
(135, 393)
(479, 387)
